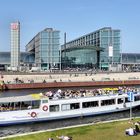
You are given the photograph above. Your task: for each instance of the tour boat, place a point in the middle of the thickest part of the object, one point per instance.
(39, 107)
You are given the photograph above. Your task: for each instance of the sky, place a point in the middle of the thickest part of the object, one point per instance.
(75, 17)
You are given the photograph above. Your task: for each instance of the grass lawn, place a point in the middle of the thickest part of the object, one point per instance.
(105, 131)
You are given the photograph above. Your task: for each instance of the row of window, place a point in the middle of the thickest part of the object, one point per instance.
(11, 106)
(66, 107)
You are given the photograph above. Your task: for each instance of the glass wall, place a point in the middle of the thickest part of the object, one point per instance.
(109, 37)
(25, 57)
(81, 57)
(45, 46)
(99, 41)
(49, 49)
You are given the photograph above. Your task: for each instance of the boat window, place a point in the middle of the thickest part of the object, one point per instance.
(65, 107)
(90, 104)
(11, 106)
(120, 100)
(137, 98)
(44, 101)
(107, 102)
(54, 108)
(35, 104)
(75, 106)
(126, 100)
(70, 106)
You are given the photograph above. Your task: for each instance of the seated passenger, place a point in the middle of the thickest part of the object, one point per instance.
(64, 137)
(130, 132)
(29, 107)
(50, 138)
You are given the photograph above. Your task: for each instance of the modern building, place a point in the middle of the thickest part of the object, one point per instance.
(15, 44)
(45, 46)
(99, 49)
(26, 59)
(131, 61)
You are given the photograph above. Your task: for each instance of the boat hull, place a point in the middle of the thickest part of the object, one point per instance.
(45, 119)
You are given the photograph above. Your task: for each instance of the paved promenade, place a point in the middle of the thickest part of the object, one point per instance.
(39, 78)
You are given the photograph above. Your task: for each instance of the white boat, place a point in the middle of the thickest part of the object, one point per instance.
(38, 107)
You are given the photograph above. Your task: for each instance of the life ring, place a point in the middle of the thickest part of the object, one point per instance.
(33, 114)
(45, 108)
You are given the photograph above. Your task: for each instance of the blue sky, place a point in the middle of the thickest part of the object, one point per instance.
(76, 17)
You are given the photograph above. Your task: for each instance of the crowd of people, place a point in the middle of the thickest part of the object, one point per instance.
(70, 93)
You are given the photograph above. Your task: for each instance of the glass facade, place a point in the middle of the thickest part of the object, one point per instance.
(109, 38)
(5, 58)
(93, 49)
(130, 58)
(81, 57)
(25, 58)
(46, 45)
(15, 44)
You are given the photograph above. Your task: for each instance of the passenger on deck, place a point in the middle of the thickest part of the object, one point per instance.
(29, 107)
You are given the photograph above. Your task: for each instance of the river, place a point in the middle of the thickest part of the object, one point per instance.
(19, 129)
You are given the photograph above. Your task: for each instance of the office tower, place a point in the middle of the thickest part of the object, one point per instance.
(15, 44)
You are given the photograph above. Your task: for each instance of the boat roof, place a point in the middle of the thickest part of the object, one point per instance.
(21, 98)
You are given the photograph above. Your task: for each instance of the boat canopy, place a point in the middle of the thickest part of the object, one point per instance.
(31, 97)
(110, 88)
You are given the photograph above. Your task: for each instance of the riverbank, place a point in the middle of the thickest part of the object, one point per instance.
(30, 81)
(109, 130)
(68, 77)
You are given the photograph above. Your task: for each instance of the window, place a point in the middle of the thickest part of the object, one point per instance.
(126, 100)
(70, 106)
(74, 106)
(137, 98)
(107, 102)
(120, 100)
(65, 107)
(54, 108)
(35, 104)
(10, 106)
(90, 104)
(44, 101)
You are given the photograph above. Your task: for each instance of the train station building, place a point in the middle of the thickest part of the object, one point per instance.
(45, 46)
(99, 49)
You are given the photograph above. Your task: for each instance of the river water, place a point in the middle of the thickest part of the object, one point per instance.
(19, 129)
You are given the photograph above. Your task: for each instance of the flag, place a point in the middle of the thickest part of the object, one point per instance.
(130, 96)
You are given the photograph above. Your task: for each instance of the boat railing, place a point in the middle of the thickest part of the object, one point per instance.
(87, 96)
